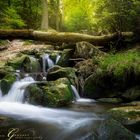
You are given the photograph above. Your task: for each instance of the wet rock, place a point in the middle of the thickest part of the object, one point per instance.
(113, 130)
(7, 82)
(110, 100)
(127, 115)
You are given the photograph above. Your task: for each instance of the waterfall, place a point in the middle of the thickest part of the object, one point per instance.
(46, 60)
(78, 98)
(57, 59)
(16, 93)
(75, 92)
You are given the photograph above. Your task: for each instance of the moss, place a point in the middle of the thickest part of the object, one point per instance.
(16, 62)
(121, 63)
(126, 115)
(114, 75)
(53, 94)
(7, 82)
(58, 92)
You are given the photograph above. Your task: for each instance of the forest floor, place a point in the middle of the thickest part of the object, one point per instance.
(16, 46)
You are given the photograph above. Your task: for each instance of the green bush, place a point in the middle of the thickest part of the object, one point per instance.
(11, 19)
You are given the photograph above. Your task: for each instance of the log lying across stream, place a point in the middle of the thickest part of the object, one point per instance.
(64, 37)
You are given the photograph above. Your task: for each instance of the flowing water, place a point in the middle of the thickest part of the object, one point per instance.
(16, 93)
(78, 98)
(53, 124)
(24, 121)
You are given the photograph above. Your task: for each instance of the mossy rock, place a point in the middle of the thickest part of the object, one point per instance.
(16, 62)
(132, 93)
(65, 58)
(25, 63)
(59, 92)
(34, 95)
(127, 115)
(113, 130)
(110, 100)
(7, 82)
(52, 94)
(5, 70)
(115, 74)
(59, 72)
(87, 50)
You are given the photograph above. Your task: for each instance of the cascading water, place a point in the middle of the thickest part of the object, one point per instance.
(78, 98)
(64, 123)
(0, 93)
(16, 93)
(57, 58)
(46, 60)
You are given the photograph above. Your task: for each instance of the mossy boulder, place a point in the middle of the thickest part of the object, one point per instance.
(65, 58)
(25, 63)
(7, 82)
(86, 50)
(5, 70)
(59, 72)
(59, 92)
(53, 93)
(115, 75)
(16, 62)
(34, 95)
(113, 130)
(127, 115)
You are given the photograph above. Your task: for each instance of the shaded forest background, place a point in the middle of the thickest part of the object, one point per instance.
(94, 17)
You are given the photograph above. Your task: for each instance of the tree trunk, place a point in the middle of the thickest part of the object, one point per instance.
(45, 22)
(64, 37)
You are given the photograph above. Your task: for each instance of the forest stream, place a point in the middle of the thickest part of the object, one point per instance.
(42, 98)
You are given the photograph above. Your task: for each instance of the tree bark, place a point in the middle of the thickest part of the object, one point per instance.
(64, 37)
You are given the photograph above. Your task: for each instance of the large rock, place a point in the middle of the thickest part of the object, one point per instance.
(5, 70)
(59, 72)
(127, 115)
(87, 50)
(65, 58)
(54, 93)
(113, 130)
(132, 93)
(25, 63)
(7, 82)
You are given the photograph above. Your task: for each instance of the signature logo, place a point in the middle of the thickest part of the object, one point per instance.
(24, 134)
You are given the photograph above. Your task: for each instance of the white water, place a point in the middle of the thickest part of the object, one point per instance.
(16, 93)
(138, 137)
(57, 59)
(0, 93)
(46, 60)
(78, 98)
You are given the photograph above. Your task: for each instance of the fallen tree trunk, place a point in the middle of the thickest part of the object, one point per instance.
(63, 37)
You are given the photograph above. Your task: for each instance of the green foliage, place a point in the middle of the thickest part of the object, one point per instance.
(78, 15)
(121, 63)
(11, 19)
(118, 15)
